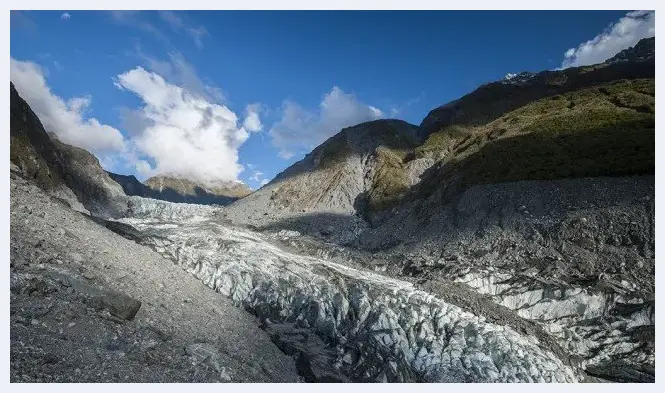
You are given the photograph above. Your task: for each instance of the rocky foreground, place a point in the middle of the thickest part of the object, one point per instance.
(88, 305)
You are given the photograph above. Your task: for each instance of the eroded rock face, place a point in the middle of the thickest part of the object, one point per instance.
(381, 329)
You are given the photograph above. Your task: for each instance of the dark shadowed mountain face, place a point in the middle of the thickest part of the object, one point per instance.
(71, 173)
(31, 150)
(180, 190)
(490, 101)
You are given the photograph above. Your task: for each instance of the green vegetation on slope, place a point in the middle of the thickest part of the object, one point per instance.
(606, 130)
(390, 181)
(493, 100)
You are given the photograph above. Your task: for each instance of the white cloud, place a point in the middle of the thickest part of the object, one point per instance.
(252, 121)
(67, 119)
(175, 131)
(257, 176)
(301, 129)
(65, 16)
(183, 134)
(143, 168)
(178, 71)
(178, 25)
(626, 32)
(264, 182)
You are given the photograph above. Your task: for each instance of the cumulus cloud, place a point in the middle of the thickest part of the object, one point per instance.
(178, 71)
(302, 129)
(67, 119)
(65, 16)
(252, 121)
(183, 134)
(174, 131)
(626, 32)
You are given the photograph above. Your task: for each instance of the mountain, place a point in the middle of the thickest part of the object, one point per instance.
(68, 172)
(366, 166)
(492, 100)
(587, 121)
(179, 190)
(536, 191)
(220, 192)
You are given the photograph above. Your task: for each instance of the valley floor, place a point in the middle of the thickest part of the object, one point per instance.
(174, 293)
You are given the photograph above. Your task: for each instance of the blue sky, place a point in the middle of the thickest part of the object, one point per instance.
(223, 95)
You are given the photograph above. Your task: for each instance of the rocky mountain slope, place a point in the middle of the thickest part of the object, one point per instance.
(580, 122)
(67, 172)
(360, 167)
(88, 305)
(492, 100)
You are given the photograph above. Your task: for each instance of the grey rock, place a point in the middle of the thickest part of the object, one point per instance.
(120, 305)
(204, 353)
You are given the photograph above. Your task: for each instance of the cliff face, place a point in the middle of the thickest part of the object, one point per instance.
(68, 172)
(31, 149)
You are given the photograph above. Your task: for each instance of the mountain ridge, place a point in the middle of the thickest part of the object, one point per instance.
(379, 175)
(181, 190)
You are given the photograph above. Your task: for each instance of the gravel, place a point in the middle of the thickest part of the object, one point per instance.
(88, 305)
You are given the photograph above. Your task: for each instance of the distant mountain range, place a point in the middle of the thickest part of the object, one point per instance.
(179, 190)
